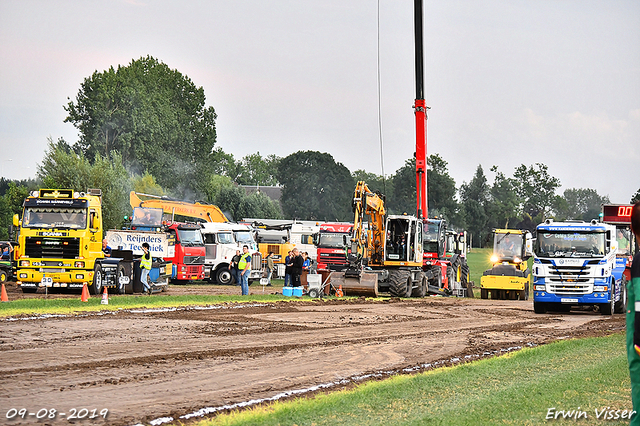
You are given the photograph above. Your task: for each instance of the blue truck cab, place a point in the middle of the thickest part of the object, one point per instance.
(575, 264)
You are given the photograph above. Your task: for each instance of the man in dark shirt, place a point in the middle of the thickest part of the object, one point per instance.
(106, 249)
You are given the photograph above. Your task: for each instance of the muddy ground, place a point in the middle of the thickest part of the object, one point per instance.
(149, 366)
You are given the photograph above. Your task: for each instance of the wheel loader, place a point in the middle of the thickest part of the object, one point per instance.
(509, 277)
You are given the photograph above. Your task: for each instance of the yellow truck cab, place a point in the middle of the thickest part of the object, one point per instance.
(59, 239)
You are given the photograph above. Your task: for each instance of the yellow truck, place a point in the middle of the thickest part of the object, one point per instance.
(509, 276)
(60, 245)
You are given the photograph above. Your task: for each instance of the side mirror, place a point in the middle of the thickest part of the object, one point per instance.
(16, 220)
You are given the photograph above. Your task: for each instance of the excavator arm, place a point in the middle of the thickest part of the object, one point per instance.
(206, 212)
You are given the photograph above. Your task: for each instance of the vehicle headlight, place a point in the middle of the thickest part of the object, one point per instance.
(24, 263)
(539, 287)
(494, 258)
(600, 288)
(79, 264)
(516, 260)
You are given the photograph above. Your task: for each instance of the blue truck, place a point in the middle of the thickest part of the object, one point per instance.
(575, 264)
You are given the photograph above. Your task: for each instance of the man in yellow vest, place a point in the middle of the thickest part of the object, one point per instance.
(244, 269)
(633, 320)
(145, 267)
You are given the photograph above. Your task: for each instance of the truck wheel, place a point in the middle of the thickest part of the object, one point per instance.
(421, 289)
(121, 288)
(621, 305)
(3, 276)
(484, 293)
(98, 277)
(223, 276)
(607, 308)
(400, 283)
(539, 307)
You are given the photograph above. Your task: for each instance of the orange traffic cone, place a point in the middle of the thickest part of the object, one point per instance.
(339, 293)
(85, 293)
(105, 297)
(4, 296)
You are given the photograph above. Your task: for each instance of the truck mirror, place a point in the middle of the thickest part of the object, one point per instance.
(16, 220)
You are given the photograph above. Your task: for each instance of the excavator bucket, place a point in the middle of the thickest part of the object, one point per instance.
(366, 285)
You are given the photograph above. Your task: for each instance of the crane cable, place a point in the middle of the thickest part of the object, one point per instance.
(384, 181)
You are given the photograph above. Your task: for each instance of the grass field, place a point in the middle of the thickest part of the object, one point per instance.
(478, 261)
(581, 378)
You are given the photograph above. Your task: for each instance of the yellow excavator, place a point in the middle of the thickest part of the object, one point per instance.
(386, 255)
(509, 275)
(206, 212)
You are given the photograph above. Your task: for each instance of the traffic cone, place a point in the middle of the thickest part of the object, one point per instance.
(4, 297)
(339, 293)
(105, 297)
(85, 293)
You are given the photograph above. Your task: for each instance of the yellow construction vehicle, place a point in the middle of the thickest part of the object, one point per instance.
(509, 276)
(206, 212)
(387, 255)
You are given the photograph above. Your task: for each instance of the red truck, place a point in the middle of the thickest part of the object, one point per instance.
(187, 246)
(331, 242)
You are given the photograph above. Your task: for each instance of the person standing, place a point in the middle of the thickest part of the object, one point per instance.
(234, 267)
(296, 268)
(288, 264)
(633, 320)
(244, 266)
(269, 268)
(145, 267)
(105, 248)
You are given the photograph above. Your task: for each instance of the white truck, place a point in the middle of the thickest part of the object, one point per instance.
(221, 240)
(575, 264)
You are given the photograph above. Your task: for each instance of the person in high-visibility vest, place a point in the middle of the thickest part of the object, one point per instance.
(633, 320)
(244, 268)
(145, 267)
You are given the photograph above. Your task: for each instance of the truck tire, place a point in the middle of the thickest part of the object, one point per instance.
(3, 276)
(621, 305)
(98, 278)
(421, 289)
(607, 308)
(400, 284)
(540, 307)
(223, 276)
(524, 294)
(121, 288)
(484, 293)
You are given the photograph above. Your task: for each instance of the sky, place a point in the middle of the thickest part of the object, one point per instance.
(509, 82)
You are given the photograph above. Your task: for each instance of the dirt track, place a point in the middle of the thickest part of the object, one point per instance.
(146, 365)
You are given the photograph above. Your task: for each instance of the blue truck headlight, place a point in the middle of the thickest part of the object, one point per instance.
(539, 287)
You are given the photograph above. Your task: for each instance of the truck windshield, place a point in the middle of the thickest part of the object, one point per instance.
(507, 246)
(431, 231)
(570, 244)
(39, 217)
(225, 238)
(331, 240)
(244, 237)
(190, 237)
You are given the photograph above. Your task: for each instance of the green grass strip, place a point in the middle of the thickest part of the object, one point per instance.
(76, 306)
(515, 389)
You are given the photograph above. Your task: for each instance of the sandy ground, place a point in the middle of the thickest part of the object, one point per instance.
(149, 366)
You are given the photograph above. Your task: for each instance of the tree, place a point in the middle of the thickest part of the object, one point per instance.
(154, 117)
(441, 190)
(236, 204)
(63, 168)
(537, 190)
(146, 184)
(11, 204)
(636, 197)
(256, 170)
(504, 202)
(375, 182)
(474, 197)
(403, 198)
(315, 187)
(581, 204)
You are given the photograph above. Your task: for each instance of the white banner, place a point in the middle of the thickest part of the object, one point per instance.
(132, 240)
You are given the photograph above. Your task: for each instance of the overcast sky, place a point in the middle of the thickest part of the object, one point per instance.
(509, 82)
